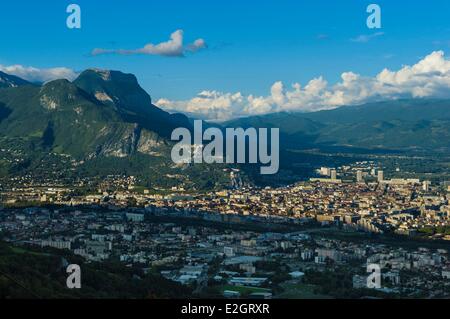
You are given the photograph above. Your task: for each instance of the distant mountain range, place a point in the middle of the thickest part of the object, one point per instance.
(406, 125)
(107, 122)
(7, 81)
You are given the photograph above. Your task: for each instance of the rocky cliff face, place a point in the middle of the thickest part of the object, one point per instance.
(102, 113)
(133, 139)
(123, 93)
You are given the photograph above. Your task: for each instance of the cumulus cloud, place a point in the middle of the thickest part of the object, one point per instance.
(32, 74)
(430, 77)
(174, 47)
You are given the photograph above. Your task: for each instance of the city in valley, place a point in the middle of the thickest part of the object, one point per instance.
(202, 153)
(312, 239)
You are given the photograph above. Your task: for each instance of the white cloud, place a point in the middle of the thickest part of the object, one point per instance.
(39, 75)
(196, 45)
(364, 38)
(430, 77)
(174, 47)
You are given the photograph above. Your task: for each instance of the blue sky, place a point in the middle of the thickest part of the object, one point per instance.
(251, 44)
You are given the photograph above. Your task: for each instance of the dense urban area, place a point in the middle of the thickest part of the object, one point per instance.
(313, 239)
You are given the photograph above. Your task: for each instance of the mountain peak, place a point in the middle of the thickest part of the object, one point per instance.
(61, 85)
(58, 93)
(122, 92)
(107, 76)
(103, 73)
(7, 80)
(116, 88)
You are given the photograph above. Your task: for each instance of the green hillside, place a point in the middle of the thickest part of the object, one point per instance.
(104, 121)
(36, 273)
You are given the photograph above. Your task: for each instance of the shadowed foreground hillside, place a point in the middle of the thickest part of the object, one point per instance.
(35, 273)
